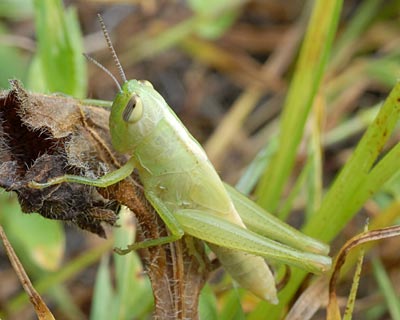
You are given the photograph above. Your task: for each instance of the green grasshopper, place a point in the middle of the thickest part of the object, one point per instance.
(185, 190)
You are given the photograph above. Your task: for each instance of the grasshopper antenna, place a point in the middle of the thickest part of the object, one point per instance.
(103, 68)
(110, 46)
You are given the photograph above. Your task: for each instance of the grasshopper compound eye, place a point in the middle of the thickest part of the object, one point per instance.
(146, 83)
(133, 110)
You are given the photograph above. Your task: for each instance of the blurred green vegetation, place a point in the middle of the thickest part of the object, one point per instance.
(313, 129)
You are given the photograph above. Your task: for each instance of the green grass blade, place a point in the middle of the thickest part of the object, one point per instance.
(103, 292)
(314, 188)
(366, 12)
(249, 178)
(66, 302)
(287, 207)
(358, 181)
(132, 298)
(304, 86)
(354, 287)
(347, 195)
(392, 300)
(16, 9)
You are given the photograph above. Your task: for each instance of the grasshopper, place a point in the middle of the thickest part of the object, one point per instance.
(186, 191)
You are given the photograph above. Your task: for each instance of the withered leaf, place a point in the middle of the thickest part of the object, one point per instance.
(37, 144)
(44, 136)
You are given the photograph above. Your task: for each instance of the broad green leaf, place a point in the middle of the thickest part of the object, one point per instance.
(12, 63)
(16, 9)
(207, 304)
(36, 77)
(35, 238)
(232, 307)
(59, 51)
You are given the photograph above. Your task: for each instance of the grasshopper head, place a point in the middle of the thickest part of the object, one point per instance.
(135, 112)
(137, 108)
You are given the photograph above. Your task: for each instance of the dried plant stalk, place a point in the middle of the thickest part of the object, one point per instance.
(44, 136)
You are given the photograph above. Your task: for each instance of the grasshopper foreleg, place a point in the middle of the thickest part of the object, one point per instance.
(102, 182)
